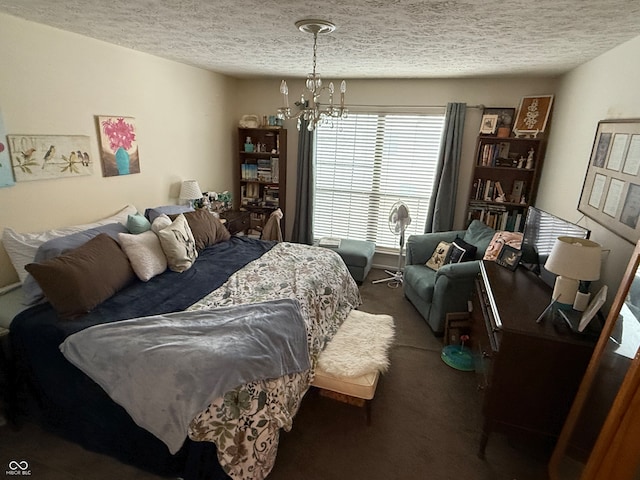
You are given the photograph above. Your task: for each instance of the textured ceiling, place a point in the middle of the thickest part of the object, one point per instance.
(373, 39)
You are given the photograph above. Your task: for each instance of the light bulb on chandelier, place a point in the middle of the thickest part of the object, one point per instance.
(311, 109)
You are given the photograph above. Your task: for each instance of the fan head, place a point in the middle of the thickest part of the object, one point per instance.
(399, 218)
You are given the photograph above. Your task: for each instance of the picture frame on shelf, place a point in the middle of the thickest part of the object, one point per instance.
(505, 115)
(509, 257)
(533, 115)
(489, 124)
(611, 188)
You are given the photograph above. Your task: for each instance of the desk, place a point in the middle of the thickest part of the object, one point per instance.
(529, 372)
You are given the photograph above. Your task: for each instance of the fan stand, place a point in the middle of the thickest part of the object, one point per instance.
(395, 279)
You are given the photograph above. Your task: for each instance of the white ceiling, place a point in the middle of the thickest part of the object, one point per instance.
(373, 39)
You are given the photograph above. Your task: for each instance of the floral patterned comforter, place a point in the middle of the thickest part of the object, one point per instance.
(245, 423)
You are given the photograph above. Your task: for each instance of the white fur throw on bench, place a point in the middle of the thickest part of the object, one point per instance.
(360, 345)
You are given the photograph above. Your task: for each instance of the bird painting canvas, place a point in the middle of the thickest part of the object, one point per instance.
(40, 157)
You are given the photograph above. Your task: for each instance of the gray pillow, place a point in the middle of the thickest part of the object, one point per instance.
(57, 246)
(153, 213)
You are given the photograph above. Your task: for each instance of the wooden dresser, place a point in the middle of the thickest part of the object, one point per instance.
(529, 372)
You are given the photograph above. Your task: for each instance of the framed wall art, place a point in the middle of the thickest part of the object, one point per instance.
(6, 172)
(533, 114)
(611, 190)
(40, 157)
(118, 145)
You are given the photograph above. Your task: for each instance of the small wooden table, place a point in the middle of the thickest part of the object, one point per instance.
(236, 221)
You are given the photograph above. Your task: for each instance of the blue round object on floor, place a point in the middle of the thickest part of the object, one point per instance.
(458, 357)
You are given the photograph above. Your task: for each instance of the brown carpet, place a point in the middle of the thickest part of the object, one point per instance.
(426, 421)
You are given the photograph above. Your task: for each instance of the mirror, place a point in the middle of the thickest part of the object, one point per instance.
(599, 438)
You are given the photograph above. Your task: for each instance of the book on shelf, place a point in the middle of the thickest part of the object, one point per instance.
(264, 170)
(497, 217)
(249, 171)
(275, 169)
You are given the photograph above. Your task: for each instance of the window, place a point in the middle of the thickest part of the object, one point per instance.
(367, 163)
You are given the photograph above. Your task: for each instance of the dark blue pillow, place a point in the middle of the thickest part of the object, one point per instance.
(57, 246)
(460, 251)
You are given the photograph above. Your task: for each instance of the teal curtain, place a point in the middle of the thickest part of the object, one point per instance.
(303, 220)
(443, 199)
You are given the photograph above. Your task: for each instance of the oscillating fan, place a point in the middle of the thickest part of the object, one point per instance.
(399, 220)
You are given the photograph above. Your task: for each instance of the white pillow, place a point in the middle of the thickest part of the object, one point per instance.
(160, 222)
(178, 244)
(145, 254)
(22, 247)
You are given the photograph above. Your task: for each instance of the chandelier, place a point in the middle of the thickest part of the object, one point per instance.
(311, 109)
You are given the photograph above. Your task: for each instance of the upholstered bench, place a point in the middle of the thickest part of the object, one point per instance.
(357, 256)
(349, 367)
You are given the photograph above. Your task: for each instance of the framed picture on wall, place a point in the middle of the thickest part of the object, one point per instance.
(611, 189)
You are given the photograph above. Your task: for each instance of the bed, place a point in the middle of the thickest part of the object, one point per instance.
(236, 435)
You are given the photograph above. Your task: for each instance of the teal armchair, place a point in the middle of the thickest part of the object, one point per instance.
(436, 293)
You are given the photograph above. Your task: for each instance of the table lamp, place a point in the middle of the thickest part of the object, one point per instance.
(573, 260)
(190, 190)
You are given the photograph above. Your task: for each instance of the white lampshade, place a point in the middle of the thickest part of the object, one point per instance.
(190, 190)
(573, 259)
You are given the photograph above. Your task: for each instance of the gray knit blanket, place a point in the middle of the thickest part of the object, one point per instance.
(165, 369)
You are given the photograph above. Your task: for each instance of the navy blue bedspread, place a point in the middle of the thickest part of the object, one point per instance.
(76, 407)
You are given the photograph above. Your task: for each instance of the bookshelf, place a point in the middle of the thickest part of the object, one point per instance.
(261, 173)
(505, 180)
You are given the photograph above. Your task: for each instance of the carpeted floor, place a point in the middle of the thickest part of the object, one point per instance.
(426, 421)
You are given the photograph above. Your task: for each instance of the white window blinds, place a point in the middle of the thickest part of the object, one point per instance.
(368, 162)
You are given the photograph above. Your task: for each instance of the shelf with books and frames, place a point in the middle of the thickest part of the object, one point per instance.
(505, 180)
(261, 173)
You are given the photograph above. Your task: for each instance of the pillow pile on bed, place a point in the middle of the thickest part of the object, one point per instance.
(77, 268)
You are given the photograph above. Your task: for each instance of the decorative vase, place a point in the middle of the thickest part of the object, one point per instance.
(122, 161)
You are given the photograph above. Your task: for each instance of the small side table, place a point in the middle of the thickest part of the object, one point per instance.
(237, 221)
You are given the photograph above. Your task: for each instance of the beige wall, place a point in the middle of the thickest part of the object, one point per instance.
(605, 88)
(54, 82)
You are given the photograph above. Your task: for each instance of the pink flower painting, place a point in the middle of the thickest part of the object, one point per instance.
(118, 146)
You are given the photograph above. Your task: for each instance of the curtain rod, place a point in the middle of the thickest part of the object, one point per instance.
(350, 105)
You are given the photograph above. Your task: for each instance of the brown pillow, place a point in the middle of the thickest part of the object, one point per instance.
(78, 281)
(207, 229)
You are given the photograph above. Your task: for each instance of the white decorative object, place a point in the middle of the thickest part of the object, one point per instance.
(249, 121)
(581, 301)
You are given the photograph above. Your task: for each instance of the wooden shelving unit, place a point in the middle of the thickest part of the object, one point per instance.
(261, 174)
(505, 180)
